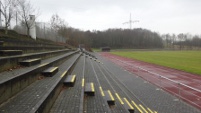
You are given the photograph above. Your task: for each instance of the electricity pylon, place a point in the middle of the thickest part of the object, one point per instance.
(131, 22)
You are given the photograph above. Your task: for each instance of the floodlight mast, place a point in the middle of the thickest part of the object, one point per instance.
(130, 22)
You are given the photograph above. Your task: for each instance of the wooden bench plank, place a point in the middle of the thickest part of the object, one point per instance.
(89, 89)
(30, 62)
(70, 80)
(51, 71)
(109, 97)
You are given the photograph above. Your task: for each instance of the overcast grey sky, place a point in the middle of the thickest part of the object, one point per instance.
(163, 16)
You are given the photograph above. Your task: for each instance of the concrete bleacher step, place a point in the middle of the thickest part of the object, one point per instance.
(51, 71)
(95, 57)
(98, 61)
(89, 54)
(89, 89)
(109, 97)
(72, 96)
(30, 49)
(40, 95)
(17, 42)
(70, 80)
(16, 80)
(128, 105)
(30, 62)
(11, 61)
(1, 43)
(10, 52)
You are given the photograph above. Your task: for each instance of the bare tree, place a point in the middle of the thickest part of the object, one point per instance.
(181, 38)
(173, 40)
(25, 9)
(57, 23)
(168, 39)
(8, 7)
(59, 26)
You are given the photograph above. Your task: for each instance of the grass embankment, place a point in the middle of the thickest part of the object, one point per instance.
(14, 35)
(189, 61)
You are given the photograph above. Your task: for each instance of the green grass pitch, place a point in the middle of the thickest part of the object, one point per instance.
(189, 61)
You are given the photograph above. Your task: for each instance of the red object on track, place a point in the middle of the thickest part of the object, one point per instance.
(185, 85)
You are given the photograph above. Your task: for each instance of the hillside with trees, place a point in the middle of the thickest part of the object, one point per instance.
(126, 38)
(58, 30)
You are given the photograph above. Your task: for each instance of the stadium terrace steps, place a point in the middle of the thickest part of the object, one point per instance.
(13, 81)
(10, 52)
(113, 93)
(50, 71)
(30, 62)
(109, 97)
(70, 80)
(128, 105)
(17, 42)
(11, 61)
(97, 103)
(104, 87)
(89, 54)
(39, 96)
(72, 97)
(89, 89)
(1, 43)
(145, 94)
(32, 49)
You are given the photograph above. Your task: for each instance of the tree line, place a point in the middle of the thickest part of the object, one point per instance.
(126, 38)
(181, 41)
(57, 30)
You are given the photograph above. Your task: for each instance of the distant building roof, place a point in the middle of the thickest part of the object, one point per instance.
(105, 49)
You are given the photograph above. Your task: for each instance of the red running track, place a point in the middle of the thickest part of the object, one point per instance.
(185, 85)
